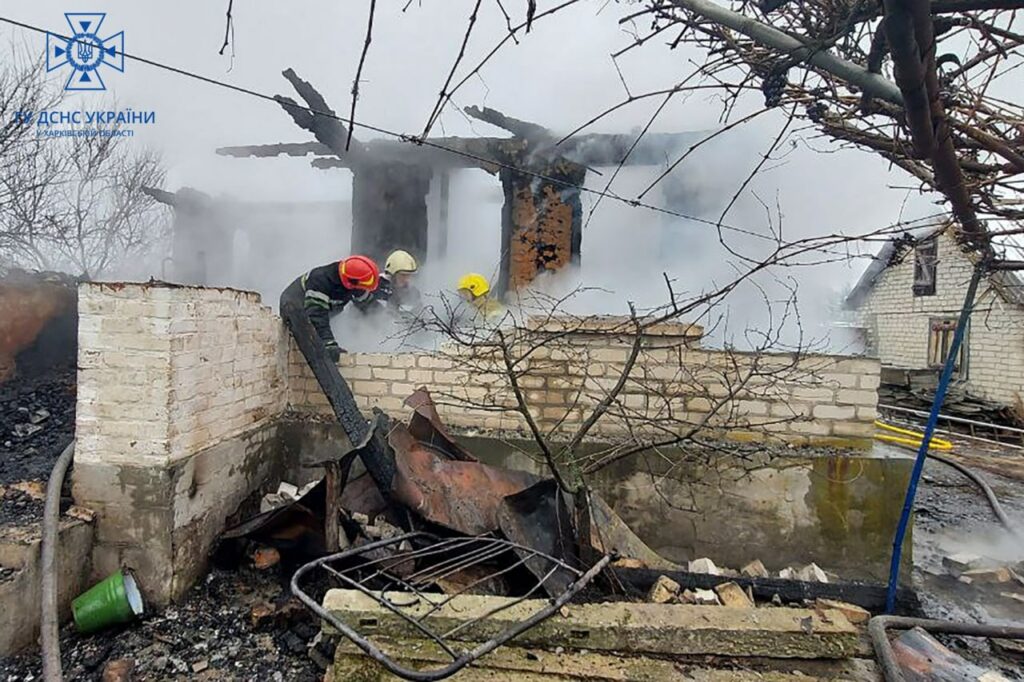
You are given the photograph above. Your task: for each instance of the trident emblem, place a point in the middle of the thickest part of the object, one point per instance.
(85, 51)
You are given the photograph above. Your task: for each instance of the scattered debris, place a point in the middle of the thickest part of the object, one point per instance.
(1009, 647)
(704, 565)
(705, 597)
(28, 450)
(923, 658)
(732, 594)
(788, 573)
(210, 623)
(853, 613)
(755, 569)
(989, 575)
(265, 557)
(1014, 596)
(200, 666)
(812, 573)
(663, 591)
(959, 563)
(118, 670)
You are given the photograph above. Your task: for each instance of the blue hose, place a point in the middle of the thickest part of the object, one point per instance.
(929, 429)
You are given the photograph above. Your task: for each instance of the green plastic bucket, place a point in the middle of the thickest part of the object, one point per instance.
(115, 599)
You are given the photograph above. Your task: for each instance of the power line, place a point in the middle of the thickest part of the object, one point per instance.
(411, 139)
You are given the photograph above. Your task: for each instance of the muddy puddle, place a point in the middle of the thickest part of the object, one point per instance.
(839, 511)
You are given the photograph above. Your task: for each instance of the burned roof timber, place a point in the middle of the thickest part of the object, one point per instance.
(594, 149)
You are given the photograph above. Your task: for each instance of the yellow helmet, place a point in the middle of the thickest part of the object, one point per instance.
(400, 261)
(474, 284)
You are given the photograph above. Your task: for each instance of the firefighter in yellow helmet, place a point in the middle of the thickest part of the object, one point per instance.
(475, 290)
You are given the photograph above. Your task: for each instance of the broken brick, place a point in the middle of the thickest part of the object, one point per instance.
(853, 613)
(118, 670)
(705, 598)
(812, 573)
(663, 590)
(958, 563)
(732, 594)
(988, 575)
(704, 565)
(755, 569)
(265, 557)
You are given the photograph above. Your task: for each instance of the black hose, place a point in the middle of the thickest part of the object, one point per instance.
(49, 618)
(993, 501)
(883, 649)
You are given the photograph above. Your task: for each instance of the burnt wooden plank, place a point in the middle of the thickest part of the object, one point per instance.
(869, 596)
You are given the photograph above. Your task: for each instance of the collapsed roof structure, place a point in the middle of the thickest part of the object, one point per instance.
(541, 175)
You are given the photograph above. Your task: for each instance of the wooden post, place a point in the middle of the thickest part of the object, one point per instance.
(332, 476)
(389, 208)
(442, 231)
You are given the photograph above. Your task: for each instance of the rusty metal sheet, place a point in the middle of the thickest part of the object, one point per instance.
(425, 426)
(462, 496)
(610, 534)
(537, 518)
(922, 658)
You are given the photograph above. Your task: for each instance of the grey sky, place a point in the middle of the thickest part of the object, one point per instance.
(559, 76)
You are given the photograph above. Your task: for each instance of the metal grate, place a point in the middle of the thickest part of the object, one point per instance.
(397, 573)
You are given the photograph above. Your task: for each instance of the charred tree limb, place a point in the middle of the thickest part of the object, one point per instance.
(908, 28)
(772, 37)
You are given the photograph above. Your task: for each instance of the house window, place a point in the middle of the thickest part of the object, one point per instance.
(926, 260)
(940, 341)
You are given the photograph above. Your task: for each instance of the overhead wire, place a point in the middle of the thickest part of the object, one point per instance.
(418, 141)
(405, 137)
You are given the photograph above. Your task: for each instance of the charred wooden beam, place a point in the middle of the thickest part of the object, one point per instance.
(519, 128)
(318, 118)
(279, 149)
(389, 208)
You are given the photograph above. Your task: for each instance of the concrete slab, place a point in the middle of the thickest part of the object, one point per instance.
(661, 629)
(544, 665)
(20, 593)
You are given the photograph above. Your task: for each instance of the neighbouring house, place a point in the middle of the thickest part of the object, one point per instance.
(907, 303)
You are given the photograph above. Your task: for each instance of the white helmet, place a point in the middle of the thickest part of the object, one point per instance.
(398, 262)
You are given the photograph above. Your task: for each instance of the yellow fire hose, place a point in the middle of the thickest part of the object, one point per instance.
(911, 438)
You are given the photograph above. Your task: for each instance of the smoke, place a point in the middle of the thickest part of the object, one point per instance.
(627, 252)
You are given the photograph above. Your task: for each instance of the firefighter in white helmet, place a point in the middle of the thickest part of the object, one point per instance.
(396, 290)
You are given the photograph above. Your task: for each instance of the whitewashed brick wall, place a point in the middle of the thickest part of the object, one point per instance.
(898, 323)
(166, 371)
(820, 400)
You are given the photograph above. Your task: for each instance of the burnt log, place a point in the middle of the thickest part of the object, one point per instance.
(868, 596)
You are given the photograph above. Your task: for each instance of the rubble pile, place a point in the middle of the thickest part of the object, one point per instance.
(37, 419)
(984, 572)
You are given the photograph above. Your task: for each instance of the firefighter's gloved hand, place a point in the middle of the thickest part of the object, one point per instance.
(334, 352)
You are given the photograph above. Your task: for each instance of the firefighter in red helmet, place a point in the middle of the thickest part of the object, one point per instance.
(313, 297)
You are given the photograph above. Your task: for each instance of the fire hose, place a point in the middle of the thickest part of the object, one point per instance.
(50, 618)
(912, 438)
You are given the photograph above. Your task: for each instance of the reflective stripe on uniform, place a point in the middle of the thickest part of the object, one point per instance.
(317, 298)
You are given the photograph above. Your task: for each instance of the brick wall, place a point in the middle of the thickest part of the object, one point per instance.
(178, 392)
(814, 400)
(898, 323)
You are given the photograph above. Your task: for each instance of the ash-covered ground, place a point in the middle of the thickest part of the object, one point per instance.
(37, 420)
(233, 625)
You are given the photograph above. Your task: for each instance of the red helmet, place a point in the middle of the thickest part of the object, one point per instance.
(359, 272)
